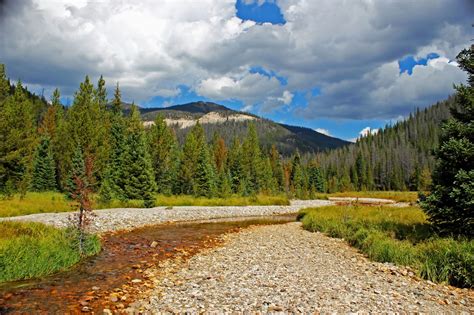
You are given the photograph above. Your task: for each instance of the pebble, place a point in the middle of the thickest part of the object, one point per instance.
(107, 220)
(283, 268)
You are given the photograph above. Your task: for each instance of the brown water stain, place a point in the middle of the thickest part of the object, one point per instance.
(117, 275)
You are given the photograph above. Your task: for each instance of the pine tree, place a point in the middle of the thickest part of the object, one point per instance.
(277, 169)
(112, 185)
(86, 126)
(138, 178)
(44, 171)
(4, 85)
(101, 93)
(185, 178)
(297, 176)
(315, 178)
(236, 170)
(76, 173)
(17, 140)
(163, 148)
(450, 206)
(251, 161)
(204, 178)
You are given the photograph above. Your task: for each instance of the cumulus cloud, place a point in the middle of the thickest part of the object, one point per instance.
(349, 50)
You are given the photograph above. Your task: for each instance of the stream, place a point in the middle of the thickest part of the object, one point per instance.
(119, 267)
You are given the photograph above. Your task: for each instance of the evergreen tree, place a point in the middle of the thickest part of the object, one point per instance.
(76, 173)
(86, 126)
(187, 167)
(113, 183)
(277, 169)
(163, 148)
(138, 178)
(236, 170)
(101, 93)
(44, 172)
(297, 176)
(450, 206)
(251, 161)
(17, 140)
(204, 178)
(315, 178)
(4, 85)
(268, 183)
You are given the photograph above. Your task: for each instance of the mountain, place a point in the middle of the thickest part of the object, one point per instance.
(398, 157)
(230, 123)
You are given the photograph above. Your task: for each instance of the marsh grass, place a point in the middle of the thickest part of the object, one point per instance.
(397, 235)
(30, 250)
(56, 202)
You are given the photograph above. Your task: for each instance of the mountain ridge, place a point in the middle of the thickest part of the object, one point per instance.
(232, 123)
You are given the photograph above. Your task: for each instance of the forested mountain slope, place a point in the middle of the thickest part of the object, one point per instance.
(229, 124)
(399, 157)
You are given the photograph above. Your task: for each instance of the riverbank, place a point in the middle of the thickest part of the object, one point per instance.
(286, 269)
(128, 218)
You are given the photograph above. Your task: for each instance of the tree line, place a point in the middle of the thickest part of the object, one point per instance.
(46, 146)
(398, 157)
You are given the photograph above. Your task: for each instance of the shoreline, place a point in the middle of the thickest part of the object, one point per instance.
(119, 219)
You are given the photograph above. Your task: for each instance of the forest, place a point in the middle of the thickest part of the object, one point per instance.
(45, 145)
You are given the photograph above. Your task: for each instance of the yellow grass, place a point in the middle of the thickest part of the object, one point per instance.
(35, 203)
(57, 202)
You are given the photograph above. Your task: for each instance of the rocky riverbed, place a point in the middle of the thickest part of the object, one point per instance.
(129, 218)
(282, 268)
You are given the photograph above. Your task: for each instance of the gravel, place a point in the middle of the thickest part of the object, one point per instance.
(282, 268)
(128, 218)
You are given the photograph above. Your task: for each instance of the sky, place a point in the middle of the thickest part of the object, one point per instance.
(344, 68)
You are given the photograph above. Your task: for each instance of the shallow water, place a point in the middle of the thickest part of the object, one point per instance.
(124, 256)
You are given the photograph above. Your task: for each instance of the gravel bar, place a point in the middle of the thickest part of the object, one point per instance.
(128, 218)
(285, 269)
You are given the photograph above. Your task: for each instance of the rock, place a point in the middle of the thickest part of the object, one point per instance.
(113, 298)
(282, 268)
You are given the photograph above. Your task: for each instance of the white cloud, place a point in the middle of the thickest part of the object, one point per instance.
(367, 130)
(323, 131)
(350, 54)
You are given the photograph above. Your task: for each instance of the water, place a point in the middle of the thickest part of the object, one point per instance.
(124, 256)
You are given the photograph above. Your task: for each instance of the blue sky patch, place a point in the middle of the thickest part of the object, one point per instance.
(267, 12)
(269, 74)
(409, 62)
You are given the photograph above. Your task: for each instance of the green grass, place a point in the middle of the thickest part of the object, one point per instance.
(397, 235)
(57, 202)
(30, 250)
(34, 203)
(399, 196)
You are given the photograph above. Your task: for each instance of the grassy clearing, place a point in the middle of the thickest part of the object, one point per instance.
(399, 196)
(185, 200)
(398, 235)
(29, 250)
(57, 202)
(34, 203)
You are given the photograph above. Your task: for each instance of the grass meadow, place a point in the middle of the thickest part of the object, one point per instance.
(44, 202)
(397, 235)
(30, 250)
